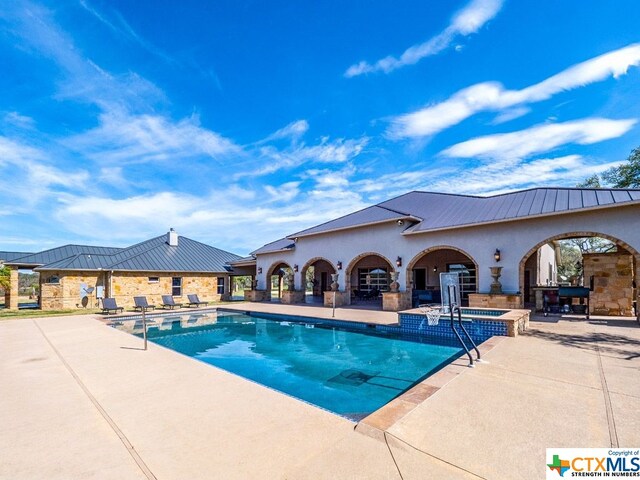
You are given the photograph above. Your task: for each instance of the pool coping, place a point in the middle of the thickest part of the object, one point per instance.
(377, 423)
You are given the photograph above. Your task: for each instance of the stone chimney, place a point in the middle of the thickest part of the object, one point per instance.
(172, 238)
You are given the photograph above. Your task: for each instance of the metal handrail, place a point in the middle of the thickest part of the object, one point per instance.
(454, 309)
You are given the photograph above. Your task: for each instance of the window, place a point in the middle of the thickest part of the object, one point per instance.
(370, 278)
(467, 273)
(220, 285)
(53, 279)
(176, 286)
(154, 279)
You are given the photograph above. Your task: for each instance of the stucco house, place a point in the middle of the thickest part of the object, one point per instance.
(400, 246)
(79, 275)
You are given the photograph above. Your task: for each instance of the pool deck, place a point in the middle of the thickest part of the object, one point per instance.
(81, 400)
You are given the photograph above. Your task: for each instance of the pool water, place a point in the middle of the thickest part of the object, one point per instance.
(350, 373)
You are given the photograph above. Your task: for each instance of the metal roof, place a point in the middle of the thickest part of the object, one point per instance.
(153, 255)
(367, 216)
(277, 246)
(441, 211)
(438, 211)
(244, 261)
(9, 256)
(59, 253)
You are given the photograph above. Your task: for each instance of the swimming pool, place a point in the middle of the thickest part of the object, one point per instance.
(351, 373)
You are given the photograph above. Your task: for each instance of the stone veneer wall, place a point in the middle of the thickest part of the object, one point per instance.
(125, 286)
(486, 300)
(613, 278)
(66, 294)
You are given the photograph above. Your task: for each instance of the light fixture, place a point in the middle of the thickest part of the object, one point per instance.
(339, 265)
(259, 270)
(399, 261)
(295, 268)
(400, 223)
(435, 268)
(497, 255)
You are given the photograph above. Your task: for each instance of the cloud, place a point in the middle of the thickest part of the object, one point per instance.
(294, 131)
(467, 21)
(273, 159)
(125, 138)
(540, 138)
(17, 120)
(493, 96)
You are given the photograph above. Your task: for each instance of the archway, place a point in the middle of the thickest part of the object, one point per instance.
(316, 279)
(277, 277)
(367, 276)
(611, 272)
(423, 273)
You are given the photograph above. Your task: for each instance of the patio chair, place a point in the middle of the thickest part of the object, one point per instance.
(142, 304)
(109, 304)
(194, 300)
(168, 302)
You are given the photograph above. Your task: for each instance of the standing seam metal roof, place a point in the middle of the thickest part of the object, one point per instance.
(437, 211)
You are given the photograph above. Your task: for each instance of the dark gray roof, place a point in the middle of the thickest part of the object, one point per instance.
(243, 261)
(277, 246)
(8, 256)
(441, 211)
(154, 255)
(375, 214)
(59, 253)
(437, 211)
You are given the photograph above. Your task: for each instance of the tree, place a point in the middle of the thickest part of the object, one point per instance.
(592, 182)
(626, 175)
(5, 278)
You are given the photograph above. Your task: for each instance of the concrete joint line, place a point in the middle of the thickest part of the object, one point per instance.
(613, 434)
(384, 434)
(430, 455)
(125, 441)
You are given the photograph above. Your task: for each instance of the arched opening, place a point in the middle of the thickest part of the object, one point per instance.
(605, 264)
(316, 279)
(367, 277)
(423, 273)
(279, 278)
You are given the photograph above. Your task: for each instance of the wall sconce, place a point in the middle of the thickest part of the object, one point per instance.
(435, 268)
(339, 265)
(295, 268)
(497, 255)
(259, 270)
(399, 261)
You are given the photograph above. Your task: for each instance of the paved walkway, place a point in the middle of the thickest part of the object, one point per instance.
(81, 400)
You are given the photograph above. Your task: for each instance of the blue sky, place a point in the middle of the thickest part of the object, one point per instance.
(238, 122)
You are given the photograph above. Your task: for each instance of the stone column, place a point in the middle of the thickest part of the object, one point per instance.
(11, 295)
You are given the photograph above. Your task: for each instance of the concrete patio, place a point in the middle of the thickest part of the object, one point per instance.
(82, 400)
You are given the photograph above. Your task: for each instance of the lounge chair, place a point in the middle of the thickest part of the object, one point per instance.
(168, 302)
(109, 304)
(142, 304)
(194, 300)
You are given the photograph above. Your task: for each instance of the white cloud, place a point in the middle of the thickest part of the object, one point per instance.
(294, 131)
(126, 138)
(17, 120)
(493, 96)
(469, 20)
(273, 159)
(541, 138)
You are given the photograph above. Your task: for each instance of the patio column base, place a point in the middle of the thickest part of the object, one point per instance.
(255, 296)
(342, 299)
(290, 297)
(488, 300)
(395, 301)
